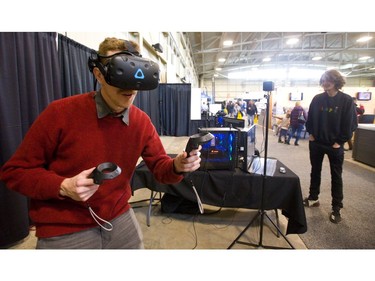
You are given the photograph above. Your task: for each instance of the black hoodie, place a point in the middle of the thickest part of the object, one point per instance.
(332, 119)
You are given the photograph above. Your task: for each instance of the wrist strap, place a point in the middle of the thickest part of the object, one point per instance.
(98, 220)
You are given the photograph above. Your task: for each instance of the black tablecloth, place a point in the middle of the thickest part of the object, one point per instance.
(236, 189)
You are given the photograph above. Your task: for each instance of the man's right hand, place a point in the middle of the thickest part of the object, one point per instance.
(79, 187)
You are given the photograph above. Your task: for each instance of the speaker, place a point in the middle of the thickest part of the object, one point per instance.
(268, 86)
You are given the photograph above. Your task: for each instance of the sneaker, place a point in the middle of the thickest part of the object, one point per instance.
(280, 141)
(311, 203)
(335, 217)
(296, 144)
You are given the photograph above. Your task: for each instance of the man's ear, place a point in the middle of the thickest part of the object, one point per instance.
(98, 75)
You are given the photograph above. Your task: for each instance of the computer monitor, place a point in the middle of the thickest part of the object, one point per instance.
(364, 96)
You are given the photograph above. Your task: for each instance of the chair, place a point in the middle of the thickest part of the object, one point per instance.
(152, 198)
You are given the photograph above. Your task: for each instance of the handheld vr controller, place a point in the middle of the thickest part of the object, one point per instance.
(196, 140)
(105, 171)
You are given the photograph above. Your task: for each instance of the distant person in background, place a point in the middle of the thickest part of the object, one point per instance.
(238, 114)
(360, 110)
(331, 122)
(298, 118)
(284, 127)
(230, 108)
(204, 108)
(251, 111)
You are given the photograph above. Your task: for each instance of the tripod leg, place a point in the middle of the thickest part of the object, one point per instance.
(277, 222)
(243, 231)
(260, 244)
(279, 231)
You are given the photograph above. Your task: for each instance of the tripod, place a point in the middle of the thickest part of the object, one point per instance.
(262, 213)
(208, 115)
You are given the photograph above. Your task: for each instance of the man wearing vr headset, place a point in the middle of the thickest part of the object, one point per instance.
(55, 162)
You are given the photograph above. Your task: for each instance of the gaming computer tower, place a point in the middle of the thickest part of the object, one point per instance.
(229, 149)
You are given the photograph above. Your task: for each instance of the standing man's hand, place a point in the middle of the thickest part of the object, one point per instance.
(79, 187)
(184, 164)
(336, 145)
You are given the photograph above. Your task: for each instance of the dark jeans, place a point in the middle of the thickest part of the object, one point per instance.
(283, 133)
(336, 160)
(296, 130)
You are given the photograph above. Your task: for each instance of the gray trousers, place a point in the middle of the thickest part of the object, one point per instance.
(126, 234)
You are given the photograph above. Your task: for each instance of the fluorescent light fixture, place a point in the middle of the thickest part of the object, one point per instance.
(266, 59)
(317, 58)
(228, 43)
(221, 59)
(292, 41)
(364, 58)
(364, 39)
(218, 68)
(278, 74)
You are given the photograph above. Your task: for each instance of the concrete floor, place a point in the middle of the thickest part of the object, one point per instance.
(169, 240)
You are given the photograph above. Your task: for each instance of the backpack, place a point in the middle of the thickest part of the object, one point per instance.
(301, 118)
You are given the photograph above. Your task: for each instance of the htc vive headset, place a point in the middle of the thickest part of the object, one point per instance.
(127, 70)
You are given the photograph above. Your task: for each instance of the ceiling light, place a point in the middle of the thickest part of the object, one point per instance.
(218, 68)
(317, 58)
(221, 59)
(292, 41)
(364, 58)
(266, 59)
(364, 39)
(278, 74)
(228, 43)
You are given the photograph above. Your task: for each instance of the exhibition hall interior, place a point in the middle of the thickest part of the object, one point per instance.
(249, 190)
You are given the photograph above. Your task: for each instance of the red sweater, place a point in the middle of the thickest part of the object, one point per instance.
(68, 138)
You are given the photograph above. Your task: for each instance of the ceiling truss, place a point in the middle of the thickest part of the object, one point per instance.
(339, 50)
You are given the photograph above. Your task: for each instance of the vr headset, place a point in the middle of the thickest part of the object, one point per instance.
(127, 70)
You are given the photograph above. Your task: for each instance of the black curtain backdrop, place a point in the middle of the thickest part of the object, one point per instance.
(75, 75)
(174, 103)
(168, 107)
(148, 101)
(29, 81)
